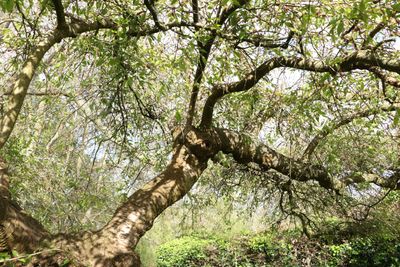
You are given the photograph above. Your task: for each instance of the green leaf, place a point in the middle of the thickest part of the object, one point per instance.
(66, 262)
(340, 27)
(7, 5)
(396, 7)
(4, 255)
(396, 118)
(178, 116)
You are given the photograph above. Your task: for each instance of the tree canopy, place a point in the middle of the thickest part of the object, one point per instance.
(111, 111)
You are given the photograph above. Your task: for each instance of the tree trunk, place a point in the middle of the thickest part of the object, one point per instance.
(113, 245)
(116, 240)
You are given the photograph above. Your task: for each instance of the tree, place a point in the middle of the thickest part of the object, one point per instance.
(219, 62)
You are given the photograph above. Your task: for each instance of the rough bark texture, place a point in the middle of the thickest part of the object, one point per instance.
(113, 245)
(19, 231)
(21, 87)
(134, 217)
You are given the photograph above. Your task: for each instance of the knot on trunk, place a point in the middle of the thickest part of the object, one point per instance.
(198, 142)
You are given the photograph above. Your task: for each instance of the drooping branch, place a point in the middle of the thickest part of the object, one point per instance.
(363, 59)
(22, 82)
(244, 150)
(330, 127)
(24, 17)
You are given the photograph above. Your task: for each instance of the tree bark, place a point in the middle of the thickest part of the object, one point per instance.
(117, 239)
(113, 245)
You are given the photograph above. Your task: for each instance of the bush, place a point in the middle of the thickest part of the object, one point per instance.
(271, 249)
(366, 252)
(183, 252)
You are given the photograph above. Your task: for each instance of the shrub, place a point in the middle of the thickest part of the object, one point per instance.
(183, 252)
(366, 252)
(283, 249)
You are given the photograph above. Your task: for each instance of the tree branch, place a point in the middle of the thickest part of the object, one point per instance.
(133, 32)
(23, 80)
(58, 6)
(195, 7)
(42, 94)
(330, 127)
(385, 77)
(153, 12)
(244, 150)
(372, 34)
(223, 89)
(76, 27)
(363, 59)
(268, 43)
(205, 49)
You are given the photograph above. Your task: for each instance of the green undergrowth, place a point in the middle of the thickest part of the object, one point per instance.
(236, 240)
(288, 248)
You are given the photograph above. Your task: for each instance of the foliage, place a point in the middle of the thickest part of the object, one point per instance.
(94, 126)
(183, 252)
(336, 241)
(366, 252)
(273, 249)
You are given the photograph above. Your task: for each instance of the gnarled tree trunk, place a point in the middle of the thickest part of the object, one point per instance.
(113, 244)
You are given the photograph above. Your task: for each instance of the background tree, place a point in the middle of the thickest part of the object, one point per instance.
(289, 101)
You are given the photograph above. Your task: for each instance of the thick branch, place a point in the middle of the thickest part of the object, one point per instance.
(133, 32)
(23, 80)
(244, 150)
(203, 57)
(392, 181)
(134, 217)
(363, 59)
(220, 90)
(58, 6)
(21, 85)
(386, 78)
(21, 232)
